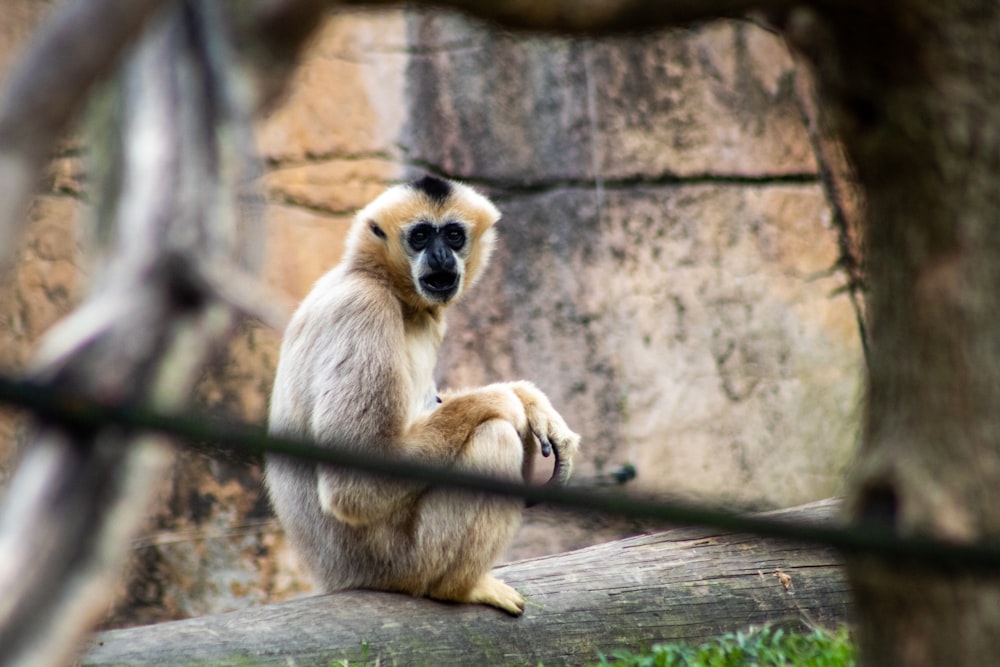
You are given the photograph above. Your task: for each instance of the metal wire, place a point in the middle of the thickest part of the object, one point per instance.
(59, 406)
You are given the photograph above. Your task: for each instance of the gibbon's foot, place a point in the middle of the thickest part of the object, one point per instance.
(490, 590)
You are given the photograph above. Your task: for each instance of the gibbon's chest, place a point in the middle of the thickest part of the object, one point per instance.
(422, 344)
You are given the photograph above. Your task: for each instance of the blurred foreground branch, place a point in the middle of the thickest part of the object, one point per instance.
(178, 221)
(80, 44)
(172, 198)
(598, 16)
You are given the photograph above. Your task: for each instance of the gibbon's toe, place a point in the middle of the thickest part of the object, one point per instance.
(490, 590)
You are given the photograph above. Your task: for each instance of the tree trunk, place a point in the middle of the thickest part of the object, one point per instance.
(686, 584)
(914, 89)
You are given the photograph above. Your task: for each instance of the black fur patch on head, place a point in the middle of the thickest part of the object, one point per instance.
(437, 189)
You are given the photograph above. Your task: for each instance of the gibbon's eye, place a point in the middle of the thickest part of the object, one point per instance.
(420, 236)
(454, 236)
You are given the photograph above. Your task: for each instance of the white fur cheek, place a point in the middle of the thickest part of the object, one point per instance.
(417, 264)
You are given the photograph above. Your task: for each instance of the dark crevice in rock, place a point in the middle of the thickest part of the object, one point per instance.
(502, 187)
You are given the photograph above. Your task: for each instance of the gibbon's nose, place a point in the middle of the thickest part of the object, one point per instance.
(439, 281)
(439, 256)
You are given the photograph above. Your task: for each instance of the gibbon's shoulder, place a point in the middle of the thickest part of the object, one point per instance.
(343, 298)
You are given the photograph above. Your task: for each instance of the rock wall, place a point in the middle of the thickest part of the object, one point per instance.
(41, 287)
(667, 271)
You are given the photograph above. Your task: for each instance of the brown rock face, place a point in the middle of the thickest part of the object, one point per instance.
(709, 355)
(523, 111)
(667, 271)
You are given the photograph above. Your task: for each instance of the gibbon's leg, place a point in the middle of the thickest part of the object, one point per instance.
(460, 535)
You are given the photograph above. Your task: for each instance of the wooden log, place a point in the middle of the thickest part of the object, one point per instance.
(686, 584)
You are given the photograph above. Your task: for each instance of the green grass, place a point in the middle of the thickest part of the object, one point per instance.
(768, 646)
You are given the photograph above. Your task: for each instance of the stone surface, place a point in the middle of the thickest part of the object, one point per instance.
(667, 269)
(344, 100)
(695, 331)
(40, 288)
(36, 293)
(301, 245)
(719, 101)
(19, 18)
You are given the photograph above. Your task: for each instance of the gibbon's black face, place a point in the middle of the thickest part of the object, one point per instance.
(432, 237)
(438, 251)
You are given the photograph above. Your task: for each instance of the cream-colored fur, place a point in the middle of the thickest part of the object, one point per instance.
(356, 368)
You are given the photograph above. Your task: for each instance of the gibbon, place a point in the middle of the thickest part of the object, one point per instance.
(356, 368)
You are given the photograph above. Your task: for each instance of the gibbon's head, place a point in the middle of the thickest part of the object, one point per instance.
(432, 238)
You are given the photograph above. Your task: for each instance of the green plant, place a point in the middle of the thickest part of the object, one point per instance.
(767, 646)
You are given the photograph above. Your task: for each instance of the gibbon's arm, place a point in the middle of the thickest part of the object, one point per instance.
(359, 393)
(350, 345)
(441, 435)
(436, 437)
(549, 427)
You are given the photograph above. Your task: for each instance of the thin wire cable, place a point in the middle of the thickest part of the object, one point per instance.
(56, 405)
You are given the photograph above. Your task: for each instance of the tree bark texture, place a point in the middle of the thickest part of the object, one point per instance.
(913, 88)
(685, 584)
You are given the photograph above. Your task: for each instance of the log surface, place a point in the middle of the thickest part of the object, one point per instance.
(686, 584)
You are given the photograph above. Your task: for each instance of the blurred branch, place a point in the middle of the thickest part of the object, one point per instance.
(79, 44)
(244, 292)
(183, 198)
(597, 16)
(179, 215)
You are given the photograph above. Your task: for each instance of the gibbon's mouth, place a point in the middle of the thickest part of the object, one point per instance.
(440, 284)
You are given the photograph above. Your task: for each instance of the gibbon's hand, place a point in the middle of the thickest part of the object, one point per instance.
(550, 428)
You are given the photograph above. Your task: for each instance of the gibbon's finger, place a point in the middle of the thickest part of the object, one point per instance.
(544, 443)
